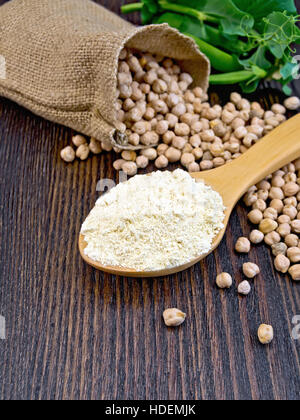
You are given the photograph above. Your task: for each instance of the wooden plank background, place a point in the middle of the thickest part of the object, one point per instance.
(76, 333)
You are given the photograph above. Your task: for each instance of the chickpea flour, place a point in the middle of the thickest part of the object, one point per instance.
(153, 222)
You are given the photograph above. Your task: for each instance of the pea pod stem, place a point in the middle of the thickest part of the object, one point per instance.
(219, 59)
(133, 7)
(165, 5)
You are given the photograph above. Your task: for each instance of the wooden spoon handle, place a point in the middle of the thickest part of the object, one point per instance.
(274, 151)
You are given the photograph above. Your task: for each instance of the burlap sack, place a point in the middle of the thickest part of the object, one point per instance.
(62, 56)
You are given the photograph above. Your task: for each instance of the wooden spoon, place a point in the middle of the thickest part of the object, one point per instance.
(232, 180)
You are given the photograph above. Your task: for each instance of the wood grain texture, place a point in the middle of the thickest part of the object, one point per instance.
(76, 333)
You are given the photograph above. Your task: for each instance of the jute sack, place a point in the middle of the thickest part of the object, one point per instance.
(61, 61)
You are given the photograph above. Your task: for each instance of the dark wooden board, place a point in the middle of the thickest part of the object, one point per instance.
(76, 333)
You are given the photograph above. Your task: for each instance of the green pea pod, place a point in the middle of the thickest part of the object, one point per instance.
(231, 78)
(219, 59)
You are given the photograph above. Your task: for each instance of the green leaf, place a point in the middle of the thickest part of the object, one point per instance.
(259, 9)
(207, 33)
(233, 20)
(257, 59)
(250, 86)
(279, 32)
(287, 90)
(290, 70)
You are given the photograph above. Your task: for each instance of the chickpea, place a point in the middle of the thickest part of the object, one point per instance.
(142, 162)
(237, 123)
(188, 148)
(278, 109)
(178, 142)
(118, 164)
(262, 194)
(290, 201)
(162, 127)
(290, 211)
(250, 199)
(134, 139)
(277, 181)
(279, 248)
(218, 161)
(282, 263)
(168, 136)
(95, 146)
(283, 219)
(267, 226)
(206, 165)
(240, 132)
(196, 127)
(235, 97)
(227, 117)
(272, 238)
(149, 113)
(173, 317)
(78, 140)
(159, 86)
(292, 103)
(161, 162)
(172, 120)
(263, 185)
(208, 135)
(198, 92)
(284, 229)
(172, 100)
(244, 288)
(161, 149)
(270, 213)
(295, 225)
(207, 155)
(260, 205)
(195, 140)
(130, 168)
(255, 216)
(243, 245)
(256, 236)
(291, 240)
(276, 193)
(182, 129)
(160, 107)
(189, 96)
(135, 114)
(83, 152)
(187, 159)
(294, 271)
(149, 153)
(198, 153)
(68, 154)
(224, 281)
(265, 333)
(293, 254)
(249, 139)
(277, 205)
(290, 189)
(151, 137)
(250, 270)
(179, 109)
(128, 155)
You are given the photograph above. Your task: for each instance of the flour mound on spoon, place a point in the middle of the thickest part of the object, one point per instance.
(153, 222)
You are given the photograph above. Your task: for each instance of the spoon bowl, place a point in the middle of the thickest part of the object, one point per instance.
(231, 181)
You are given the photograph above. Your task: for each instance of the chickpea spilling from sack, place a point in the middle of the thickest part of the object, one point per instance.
(174, 123)
(158, 110)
